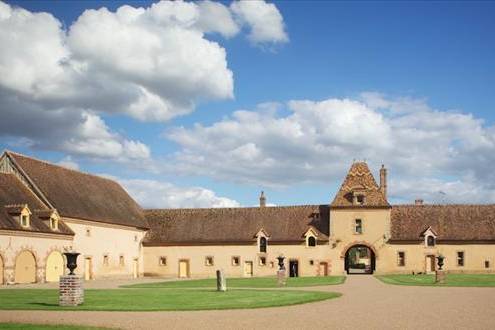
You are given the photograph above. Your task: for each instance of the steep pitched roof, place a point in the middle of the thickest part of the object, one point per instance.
(13, 197)
(79, 195)
(450, 222)
(285, 223)
(359, 178)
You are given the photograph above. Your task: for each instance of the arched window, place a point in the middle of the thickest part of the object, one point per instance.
(311, 241)
(263, 244)
(430, 240)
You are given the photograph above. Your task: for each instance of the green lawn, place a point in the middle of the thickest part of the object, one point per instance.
(254, 282)
(159, 299)
(429, 280)
(21, 326)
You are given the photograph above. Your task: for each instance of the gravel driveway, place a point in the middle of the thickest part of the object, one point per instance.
(367, 303)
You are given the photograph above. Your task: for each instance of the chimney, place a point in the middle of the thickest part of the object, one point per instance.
(383, 181)
(418, 202)
(262, 199)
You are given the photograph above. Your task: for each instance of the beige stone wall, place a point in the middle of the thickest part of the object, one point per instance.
(475, 256)
(106, 240)
(223, 259)
(12, 244)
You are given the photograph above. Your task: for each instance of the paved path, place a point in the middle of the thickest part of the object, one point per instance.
(366, 304)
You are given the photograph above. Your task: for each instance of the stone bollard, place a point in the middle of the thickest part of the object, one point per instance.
(221, 282)
(71, 291)
(281, 278)
(440, 277)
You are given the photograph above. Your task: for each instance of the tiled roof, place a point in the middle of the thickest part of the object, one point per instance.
(449, 222)
(83, 196)
(285, 223)
(359, 178)
(14, 196)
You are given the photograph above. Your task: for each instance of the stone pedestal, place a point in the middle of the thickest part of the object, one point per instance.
(71, 291)
(281, 278)
(440, 276)
(221, 282)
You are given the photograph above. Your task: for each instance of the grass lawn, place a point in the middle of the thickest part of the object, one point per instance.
(429, 280)
(254, 282)
(20, 326)
(159, 299)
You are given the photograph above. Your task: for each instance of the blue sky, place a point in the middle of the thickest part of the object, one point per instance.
(425, 68)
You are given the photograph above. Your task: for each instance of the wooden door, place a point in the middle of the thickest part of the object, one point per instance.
(248, 268)
(430, 264)
(183, 268)
(323, 269)
(25, 268)
(54, 267)
(88, 269)
(135, 268)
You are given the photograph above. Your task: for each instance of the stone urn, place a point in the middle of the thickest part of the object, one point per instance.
(71, 261)
(440, 259)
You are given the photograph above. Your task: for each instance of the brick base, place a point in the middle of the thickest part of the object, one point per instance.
(71, 291)
(440, 276)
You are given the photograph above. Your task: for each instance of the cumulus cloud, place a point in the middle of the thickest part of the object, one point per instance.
(69, 163)
(265, 22)
(427, 150)
(151, 64)
(158, 194)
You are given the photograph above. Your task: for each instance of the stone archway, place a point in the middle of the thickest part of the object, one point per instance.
(359, 258)
(54, 266)
(25, 268)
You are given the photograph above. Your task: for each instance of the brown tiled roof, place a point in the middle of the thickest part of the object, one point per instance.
(449, 222)
(359, 178)
(83, 196)
(283, 224)
(13, 197)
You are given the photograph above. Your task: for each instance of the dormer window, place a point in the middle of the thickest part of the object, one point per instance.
(263, 244)
(430, 240)
(53, 223)
(25, 220)
(430, 237)
(358, 196)
(311, 241)
(360, 199)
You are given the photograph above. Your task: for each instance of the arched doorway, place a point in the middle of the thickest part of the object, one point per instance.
(25, 268)
(360, 259)
(1, 270)
(54, 267)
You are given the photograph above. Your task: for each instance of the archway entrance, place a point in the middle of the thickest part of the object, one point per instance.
(25, 268)
(54, 266)
(360, 259)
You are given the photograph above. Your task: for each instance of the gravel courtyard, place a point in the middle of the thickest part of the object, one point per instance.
(366, 303)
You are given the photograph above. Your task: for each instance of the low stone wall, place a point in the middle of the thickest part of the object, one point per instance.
(71, 291)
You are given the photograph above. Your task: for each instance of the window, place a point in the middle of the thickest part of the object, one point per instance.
(236, 261)
(401, 259)
(162, 261)
(263, 244)
(209, 261)
(262, 261)
(88, 232)
(358, 226)
(311, 241)
(460, 258)
(430, 240)
(53, 224)
(25, 220)
(487, 264)
(311, 262)
(105, 260)
(121, 261)
(360, 199)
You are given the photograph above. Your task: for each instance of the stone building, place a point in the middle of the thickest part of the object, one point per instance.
(45, 209)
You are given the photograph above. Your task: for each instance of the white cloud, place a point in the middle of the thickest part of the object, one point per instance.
(151, 64)
(424, 148)
(265, 22)
(68, 162)
(158, 194)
